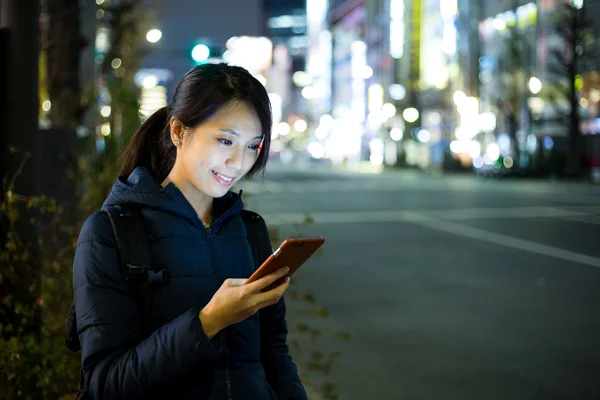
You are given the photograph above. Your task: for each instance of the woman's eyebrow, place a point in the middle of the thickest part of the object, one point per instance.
(236, 133)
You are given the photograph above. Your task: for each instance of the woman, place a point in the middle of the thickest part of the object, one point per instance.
(208, 339)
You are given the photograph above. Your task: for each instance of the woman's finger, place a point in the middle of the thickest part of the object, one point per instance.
(275, 293)
(265, 281)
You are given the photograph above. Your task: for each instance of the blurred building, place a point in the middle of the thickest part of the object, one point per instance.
(524, 77)
(433, 83)
(284, 23)
(349, 70)
(508, 34)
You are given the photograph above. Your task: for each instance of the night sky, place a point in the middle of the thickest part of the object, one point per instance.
(185, 22)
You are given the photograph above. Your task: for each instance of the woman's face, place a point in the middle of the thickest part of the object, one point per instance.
(217, 153)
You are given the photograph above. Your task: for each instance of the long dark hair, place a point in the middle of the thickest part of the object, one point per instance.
(202, 92)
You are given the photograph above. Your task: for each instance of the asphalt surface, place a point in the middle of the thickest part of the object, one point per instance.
(449, 287)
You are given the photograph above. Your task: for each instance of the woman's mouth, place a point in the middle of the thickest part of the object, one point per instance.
(223, 179)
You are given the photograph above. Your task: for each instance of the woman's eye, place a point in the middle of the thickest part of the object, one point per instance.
(226, 142)
(254, 147)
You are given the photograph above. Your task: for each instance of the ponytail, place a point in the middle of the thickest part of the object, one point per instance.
(150, 147)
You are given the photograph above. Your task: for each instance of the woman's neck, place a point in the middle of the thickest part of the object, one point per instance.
(201, 203)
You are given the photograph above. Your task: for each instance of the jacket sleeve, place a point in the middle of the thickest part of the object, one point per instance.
(280, 369)
(115, 362)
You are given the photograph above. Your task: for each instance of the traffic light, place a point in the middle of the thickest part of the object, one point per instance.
(200, 53)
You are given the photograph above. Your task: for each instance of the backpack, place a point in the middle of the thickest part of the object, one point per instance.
(136, 263)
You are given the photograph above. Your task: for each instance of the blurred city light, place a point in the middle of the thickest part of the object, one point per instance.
(458, 97)
(424, 136)
(200, 53)
(377, 151)
(434, 118)
(487, 121)
(46, 105)
(499, 24)
(396, 134)
(301, 79)
(152, 99)
(116, 63)
(508, 162)
(459, 146)
(410, 114)
(474, 149)
(283, 128)
(99, 2)
(375, 95)
(391, 153)
(277, 146)
(105, 129)
(309, 93)
(578, 82)
(578, 4)
(320, 133)
(503, 141)
(397, 28)
(358, 60)
(535, 85)
(277, 107)
(389, 110)
(536, 105)
(153, 35)
(397, 91)
(105, 111)
(470, 107)
(149, 82)
(316, 149)
(286, 21)
(300, 125)
(254, 53)
(493, 151)
(367, 72)
(326, 121)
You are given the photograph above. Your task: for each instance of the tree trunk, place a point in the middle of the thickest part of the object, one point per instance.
(19, 49)
(64, 44)
(576, 165)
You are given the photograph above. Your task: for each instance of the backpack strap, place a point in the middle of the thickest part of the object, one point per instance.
(257, 235)
(136, 260)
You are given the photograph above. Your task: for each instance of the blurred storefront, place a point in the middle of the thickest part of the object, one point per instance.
(349, 87)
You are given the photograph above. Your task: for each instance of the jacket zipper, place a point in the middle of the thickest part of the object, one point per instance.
(216, 277)
(227, 376)
(223, 334)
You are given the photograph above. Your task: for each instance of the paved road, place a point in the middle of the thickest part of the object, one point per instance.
(450, 288)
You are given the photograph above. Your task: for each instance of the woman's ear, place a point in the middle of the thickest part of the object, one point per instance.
(176, 130)
(260, 147)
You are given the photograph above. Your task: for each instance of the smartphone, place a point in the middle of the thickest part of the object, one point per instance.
(293, 252)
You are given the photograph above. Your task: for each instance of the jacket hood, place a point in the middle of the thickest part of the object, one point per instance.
(141, 189)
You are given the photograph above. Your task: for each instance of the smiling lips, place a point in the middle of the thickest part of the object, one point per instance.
(223, 179)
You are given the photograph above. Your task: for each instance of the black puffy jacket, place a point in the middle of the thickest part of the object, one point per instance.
(248, 360)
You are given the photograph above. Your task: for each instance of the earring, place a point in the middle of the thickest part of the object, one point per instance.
(177, 143)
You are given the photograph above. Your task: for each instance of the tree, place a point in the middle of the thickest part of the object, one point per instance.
(36, 267)
(514, 66)
(573, 31)
(63, 43)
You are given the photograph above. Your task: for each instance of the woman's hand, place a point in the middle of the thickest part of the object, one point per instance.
(235, 301)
